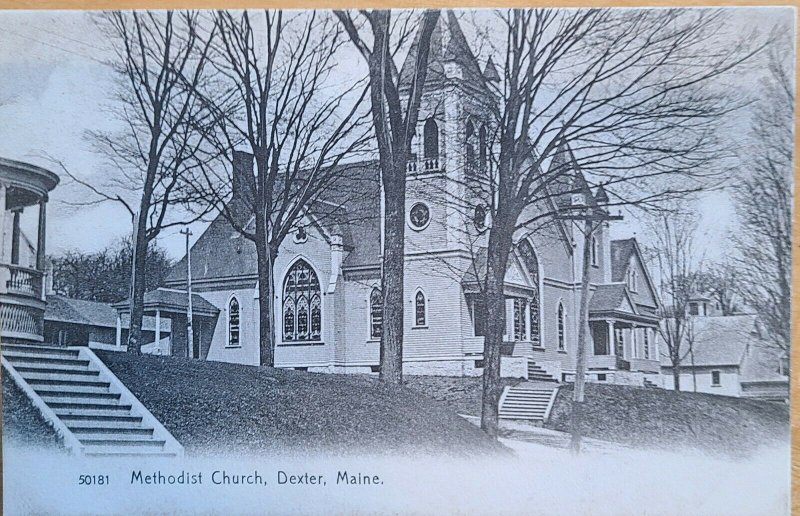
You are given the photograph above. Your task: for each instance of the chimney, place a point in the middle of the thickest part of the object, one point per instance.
(242, 174)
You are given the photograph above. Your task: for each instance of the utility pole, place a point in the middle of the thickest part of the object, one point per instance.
(592, 219)
(189, 330)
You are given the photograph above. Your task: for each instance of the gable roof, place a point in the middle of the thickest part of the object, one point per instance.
(448, 45)
(621, 251)
(349, 207)
(170, 300)
(719, 341)
(62, 309)
(610, 297)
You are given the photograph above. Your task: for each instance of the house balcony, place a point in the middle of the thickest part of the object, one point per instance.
(24, 190)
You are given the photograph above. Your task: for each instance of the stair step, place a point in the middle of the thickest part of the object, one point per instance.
(117, 447)
(78, 397)
(106, 428)
(74, 405)
(521, 405)
(26, 348)
(69, 370)
(119, 440)
(116, 454)
(528, 418)
(66, 381)
(75, 390)
(40, 358)
(96, 416)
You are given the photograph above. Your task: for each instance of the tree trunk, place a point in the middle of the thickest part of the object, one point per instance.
(580, 352)
(265, 259)
(676, 375)
(139, 278)
(500, 242)
(391, 361)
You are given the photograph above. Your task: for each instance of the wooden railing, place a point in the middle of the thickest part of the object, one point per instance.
(422, 166)
(20, 321)
(20, 281)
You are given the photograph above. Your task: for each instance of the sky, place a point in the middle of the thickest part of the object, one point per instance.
(54, 87)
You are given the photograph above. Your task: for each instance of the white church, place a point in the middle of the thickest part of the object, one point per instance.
(328, 272)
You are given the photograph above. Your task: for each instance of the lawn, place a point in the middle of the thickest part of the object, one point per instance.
(658, 418)
(23, 424)
(217, 407)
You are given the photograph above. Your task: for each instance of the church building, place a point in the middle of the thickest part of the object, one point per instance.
(327, 306)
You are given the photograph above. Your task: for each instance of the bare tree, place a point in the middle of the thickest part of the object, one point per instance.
(677, 268)
(629, 92)
(721, 281)
(394, 120)
(273, 95)
(764, 202)
(158, 59)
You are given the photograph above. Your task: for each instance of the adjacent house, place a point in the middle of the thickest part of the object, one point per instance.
(728, 355)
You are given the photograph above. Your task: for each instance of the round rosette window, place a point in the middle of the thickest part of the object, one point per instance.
(419, 216)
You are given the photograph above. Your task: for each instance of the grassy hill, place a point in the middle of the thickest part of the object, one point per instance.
(213, 407)
(23, 424)
(661, 418)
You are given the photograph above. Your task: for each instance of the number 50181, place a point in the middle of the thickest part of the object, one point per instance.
(93, 480)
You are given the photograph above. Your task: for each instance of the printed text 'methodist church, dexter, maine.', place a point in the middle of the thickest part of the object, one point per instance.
(327, 273)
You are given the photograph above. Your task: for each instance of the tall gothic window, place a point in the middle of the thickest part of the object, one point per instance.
(375, 314)
(561, 328)
(233, 322)
(647, 343)
(420, 309)
(594, 251)
(482, 150)
(532, 265)
(431, 139)
(520, 314)
(302, 304)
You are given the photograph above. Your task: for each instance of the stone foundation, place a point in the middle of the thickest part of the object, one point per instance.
(442, 368)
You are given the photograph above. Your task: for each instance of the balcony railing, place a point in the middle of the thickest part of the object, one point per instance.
(422, 166)
(20, 281)
(20, 322)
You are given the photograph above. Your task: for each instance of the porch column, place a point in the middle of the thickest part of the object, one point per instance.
(119, 330)
(158, 330)
(41, 236)
(654, 336)
(634, 352)
(612, 349)
(15, 237)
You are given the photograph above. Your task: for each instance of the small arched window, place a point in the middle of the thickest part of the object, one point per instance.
(234, 322)
(594, 251)
(420, 309)
(561, 327)
(375, 314)
(302, 304)
(431, 139)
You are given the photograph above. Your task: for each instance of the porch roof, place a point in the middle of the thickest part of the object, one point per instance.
(172, 301)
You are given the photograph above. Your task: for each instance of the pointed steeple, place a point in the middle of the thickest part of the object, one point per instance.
(450, 57)
(600, 195)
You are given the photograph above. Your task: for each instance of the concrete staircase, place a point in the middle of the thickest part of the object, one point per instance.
(537, 374)
(648, 383)
(527, 401)
(92, 411)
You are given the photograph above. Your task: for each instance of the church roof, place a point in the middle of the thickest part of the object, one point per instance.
(350, 207)
(448, 45)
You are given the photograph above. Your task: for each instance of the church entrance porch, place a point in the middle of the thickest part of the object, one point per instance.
(623, 344)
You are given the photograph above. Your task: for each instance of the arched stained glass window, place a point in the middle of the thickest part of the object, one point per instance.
(234, 323)
(375, 314)
(302, 304)
(532, 265)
